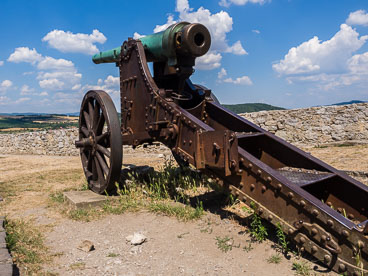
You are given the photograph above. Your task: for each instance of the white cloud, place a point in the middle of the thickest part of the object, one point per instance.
(5, 85)
(256, 31)
(314, 56)
(22, 100)
(76, 87)
(227, 3)
(218, 24)
(49, 63)
(244, 80)
(26, 90)
(4, 100)
(1, 63)
(222, 73)
(209, 61)
(43, 94)
(111, 85)
(236, 49)
(170, 21)
(111, 81)
(137, 35)
(24, 54)
(359, 17)
(52, 84)
(68, 42)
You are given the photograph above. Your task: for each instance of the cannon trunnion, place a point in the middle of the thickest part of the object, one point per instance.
(322, 209)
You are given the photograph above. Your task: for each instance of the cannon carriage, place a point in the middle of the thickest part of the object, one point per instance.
(322, 209)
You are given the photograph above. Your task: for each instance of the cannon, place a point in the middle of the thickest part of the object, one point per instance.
(324, 211)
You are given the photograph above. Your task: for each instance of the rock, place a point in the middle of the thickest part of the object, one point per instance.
(136, 238)
(86, 246)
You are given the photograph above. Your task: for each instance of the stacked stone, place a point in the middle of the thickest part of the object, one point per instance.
(6, 262)
(316, 125)
(308, 127)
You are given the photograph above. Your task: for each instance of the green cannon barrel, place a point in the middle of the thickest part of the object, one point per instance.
(180, 39)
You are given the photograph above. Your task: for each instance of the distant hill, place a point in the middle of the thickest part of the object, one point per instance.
(250, 107)
(351, 102)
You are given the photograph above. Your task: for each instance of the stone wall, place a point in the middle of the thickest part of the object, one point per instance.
(316, 125)
(308, 127)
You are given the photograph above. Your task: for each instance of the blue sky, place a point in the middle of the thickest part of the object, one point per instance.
(289, 53)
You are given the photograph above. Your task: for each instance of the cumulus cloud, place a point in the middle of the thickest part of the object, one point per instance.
(137, 35)
(111, 85)
(43, 94)
(256, 31)
(4, 100)
(1, 63)
(222, 73)
(359, 17)
(54, 74)
(69, 42)
(26, 90)
(329, 64)
(24, 54)
(5, 85)
(227, 3)
(325, 57)
(219, 24)
(22, 100)
(244, 80)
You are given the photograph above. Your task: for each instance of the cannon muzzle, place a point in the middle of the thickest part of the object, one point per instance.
(179, 40)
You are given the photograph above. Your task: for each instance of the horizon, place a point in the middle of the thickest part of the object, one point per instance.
(257, 55)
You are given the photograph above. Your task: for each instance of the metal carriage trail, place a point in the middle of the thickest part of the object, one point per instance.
(322, 209)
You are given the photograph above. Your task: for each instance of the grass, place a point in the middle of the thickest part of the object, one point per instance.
(257, 230)
(301, 268)
(113, 255)
(26, 245)
(274, 259)
(78, 266)
(225, 244)
(281, 239)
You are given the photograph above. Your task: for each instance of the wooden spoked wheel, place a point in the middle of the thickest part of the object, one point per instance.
(100, 141)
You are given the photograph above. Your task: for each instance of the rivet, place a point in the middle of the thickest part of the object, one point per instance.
(330, 223)
(323, 237)
(342, 267)
(315, 212)
(264, 188)
(314, 231)
(260, 211)
(252, 186)
(270, 217)
(302, 249)
(241, 184)
(269, 179)
(302, 240)
(244, 198)
(290, 231)
(302, 203)
(231, 188)
(237, 193)
(314, 249)
(250, 165)
(345, 233)
(327, 258)
(278, 187)
(259, 172)
(290, 195)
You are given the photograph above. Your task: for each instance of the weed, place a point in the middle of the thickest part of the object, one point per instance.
(112, 255)
(57, 197)
(248, 247)
(257, 229)
(181, 212)
(281, 239)
(80, 214)
(358, 261)
(182, 235)
(225, 244)
(25, 243)
(274, 259)
(78, 265)
(301, 268)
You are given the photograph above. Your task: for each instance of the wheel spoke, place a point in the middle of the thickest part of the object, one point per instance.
(88, 120)
(90, 112)
(85, 131)
(102, 137)
(100, 175)
(94, 169)
(103, 150)
(102, 163)
(96, 116)
(100, 124)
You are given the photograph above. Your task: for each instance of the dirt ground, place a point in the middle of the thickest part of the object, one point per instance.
(172, 247)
